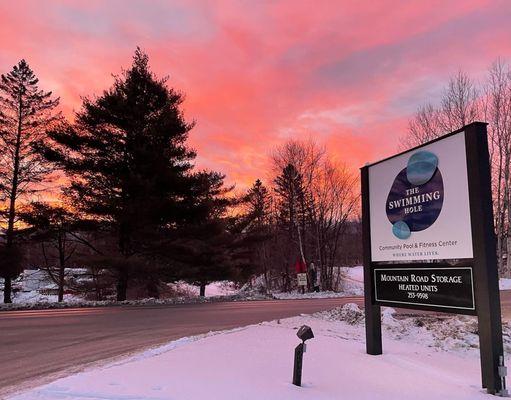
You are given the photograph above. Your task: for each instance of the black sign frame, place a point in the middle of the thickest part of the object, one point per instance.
(483, 263)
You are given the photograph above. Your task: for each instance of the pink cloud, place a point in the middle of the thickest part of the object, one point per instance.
(349, 74)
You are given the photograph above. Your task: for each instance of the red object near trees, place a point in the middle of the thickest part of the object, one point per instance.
(300, 267)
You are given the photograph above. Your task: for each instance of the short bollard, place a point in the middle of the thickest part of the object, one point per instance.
(304, 333)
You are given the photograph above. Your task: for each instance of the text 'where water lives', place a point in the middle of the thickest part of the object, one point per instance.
(429, 241)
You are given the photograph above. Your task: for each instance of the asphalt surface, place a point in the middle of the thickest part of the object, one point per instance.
(39, 346)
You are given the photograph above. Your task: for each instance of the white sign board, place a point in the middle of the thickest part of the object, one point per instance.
(302, 279)
(419, 204)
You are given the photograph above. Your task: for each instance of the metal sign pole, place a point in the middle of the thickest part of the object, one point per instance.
(485, 260)
(372, 311)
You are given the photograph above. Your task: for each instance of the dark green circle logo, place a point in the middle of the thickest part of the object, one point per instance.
(416, 196)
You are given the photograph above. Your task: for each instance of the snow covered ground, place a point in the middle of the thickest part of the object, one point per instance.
(220, 288)
(34, 286)
(424, 358)
(351, 284)
(34, 289)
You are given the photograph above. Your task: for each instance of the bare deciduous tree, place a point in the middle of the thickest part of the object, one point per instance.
(335, 201)
(459, 106)
(425, 126)
(460, 103)
(497, 112)
(328, 202)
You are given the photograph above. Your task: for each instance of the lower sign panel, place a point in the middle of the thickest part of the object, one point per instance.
(442, 288)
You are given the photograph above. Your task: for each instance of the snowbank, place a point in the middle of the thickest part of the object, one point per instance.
(80, 303)
(33, 289)
(350, 284)
(34, 286)
(220, 288)
(355, 273)
(256, 363)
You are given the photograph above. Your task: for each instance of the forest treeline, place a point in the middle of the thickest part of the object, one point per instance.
(115, 191)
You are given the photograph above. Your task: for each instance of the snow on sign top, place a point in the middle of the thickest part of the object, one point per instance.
(419, 204)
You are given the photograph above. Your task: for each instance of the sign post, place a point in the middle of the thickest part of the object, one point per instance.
(428, 238)
(302, 279)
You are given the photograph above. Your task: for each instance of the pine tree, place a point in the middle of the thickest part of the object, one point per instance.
(292, 213)
(291, 198)
(206, 249)
(258, 201)
(258, 230)
(127, 161)
(205, 254)
(25, 113)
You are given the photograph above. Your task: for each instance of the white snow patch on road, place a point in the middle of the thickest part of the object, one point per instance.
(256, 363)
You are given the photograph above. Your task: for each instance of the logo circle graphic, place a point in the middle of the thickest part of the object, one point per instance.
(416, 196)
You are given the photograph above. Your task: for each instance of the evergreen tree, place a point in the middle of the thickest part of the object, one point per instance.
(258, 201)
(291, 215)
(205, 249)
(258, 230)
(25, 113)
(290, 198)
(127, 161)
(204, 254)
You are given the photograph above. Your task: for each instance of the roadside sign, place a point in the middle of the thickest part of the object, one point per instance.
(302, 279)
(445, 287)
(428, 238)
(419, 204)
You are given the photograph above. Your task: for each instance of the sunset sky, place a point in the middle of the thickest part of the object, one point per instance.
(348, 73)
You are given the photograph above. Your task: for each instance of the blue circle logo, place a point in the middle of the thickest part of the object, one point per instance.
(416, 196)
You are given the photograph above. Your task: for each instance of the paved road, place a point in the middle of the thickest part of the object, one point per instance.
(37, 346)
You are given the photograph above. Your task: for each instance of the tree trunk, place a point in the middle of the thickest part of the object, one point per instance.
(62, 268)
(122, 285)
(152, 288)
(202, 290)
(507, 207)
(12, 205)
(508, 260)
(61, 284)
(97, 285)
(124, 246)
(7, 290)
